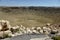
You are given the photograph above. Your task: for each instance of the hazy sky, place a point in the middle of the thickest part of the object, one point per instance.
(30, 3)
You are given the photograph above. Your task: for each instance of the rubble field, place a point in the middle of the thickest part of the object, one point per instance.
(7, 31)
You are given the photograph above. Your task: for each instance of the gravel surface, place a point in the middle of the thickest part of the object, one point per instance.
(28, 37)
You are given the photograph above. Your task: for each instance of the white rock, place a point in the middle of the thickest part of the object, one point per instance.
(0, 27)
(7, 32)
(1, 33)
(44, 28)
(29, 30)
(34, 31)
(41, 31)
(38, 28)
(48, 24)
(33, 28)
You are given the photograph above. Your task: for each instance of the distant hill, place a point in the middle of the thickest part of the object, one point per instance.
(30, 16)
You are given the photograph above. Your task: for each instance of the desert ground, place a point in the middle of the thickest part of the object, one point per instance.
(30, 16)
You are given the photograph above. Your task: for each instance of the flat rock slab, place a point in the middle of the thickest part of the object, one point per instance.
(28, 37)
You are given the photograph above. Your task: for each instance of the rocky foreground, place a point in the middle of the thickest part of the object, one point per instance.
(7, 31)
(29, 37)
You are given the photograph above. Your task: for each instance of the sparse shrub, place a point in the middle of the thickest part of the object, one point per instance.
(56, 38)
(5, 35)
(14, 30)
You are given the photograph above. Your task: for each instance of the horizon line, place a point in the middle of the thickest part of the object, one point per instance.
(29, 6)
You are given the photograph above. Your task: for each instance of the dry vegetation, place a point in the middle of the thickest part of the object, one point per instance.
(30, 16)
